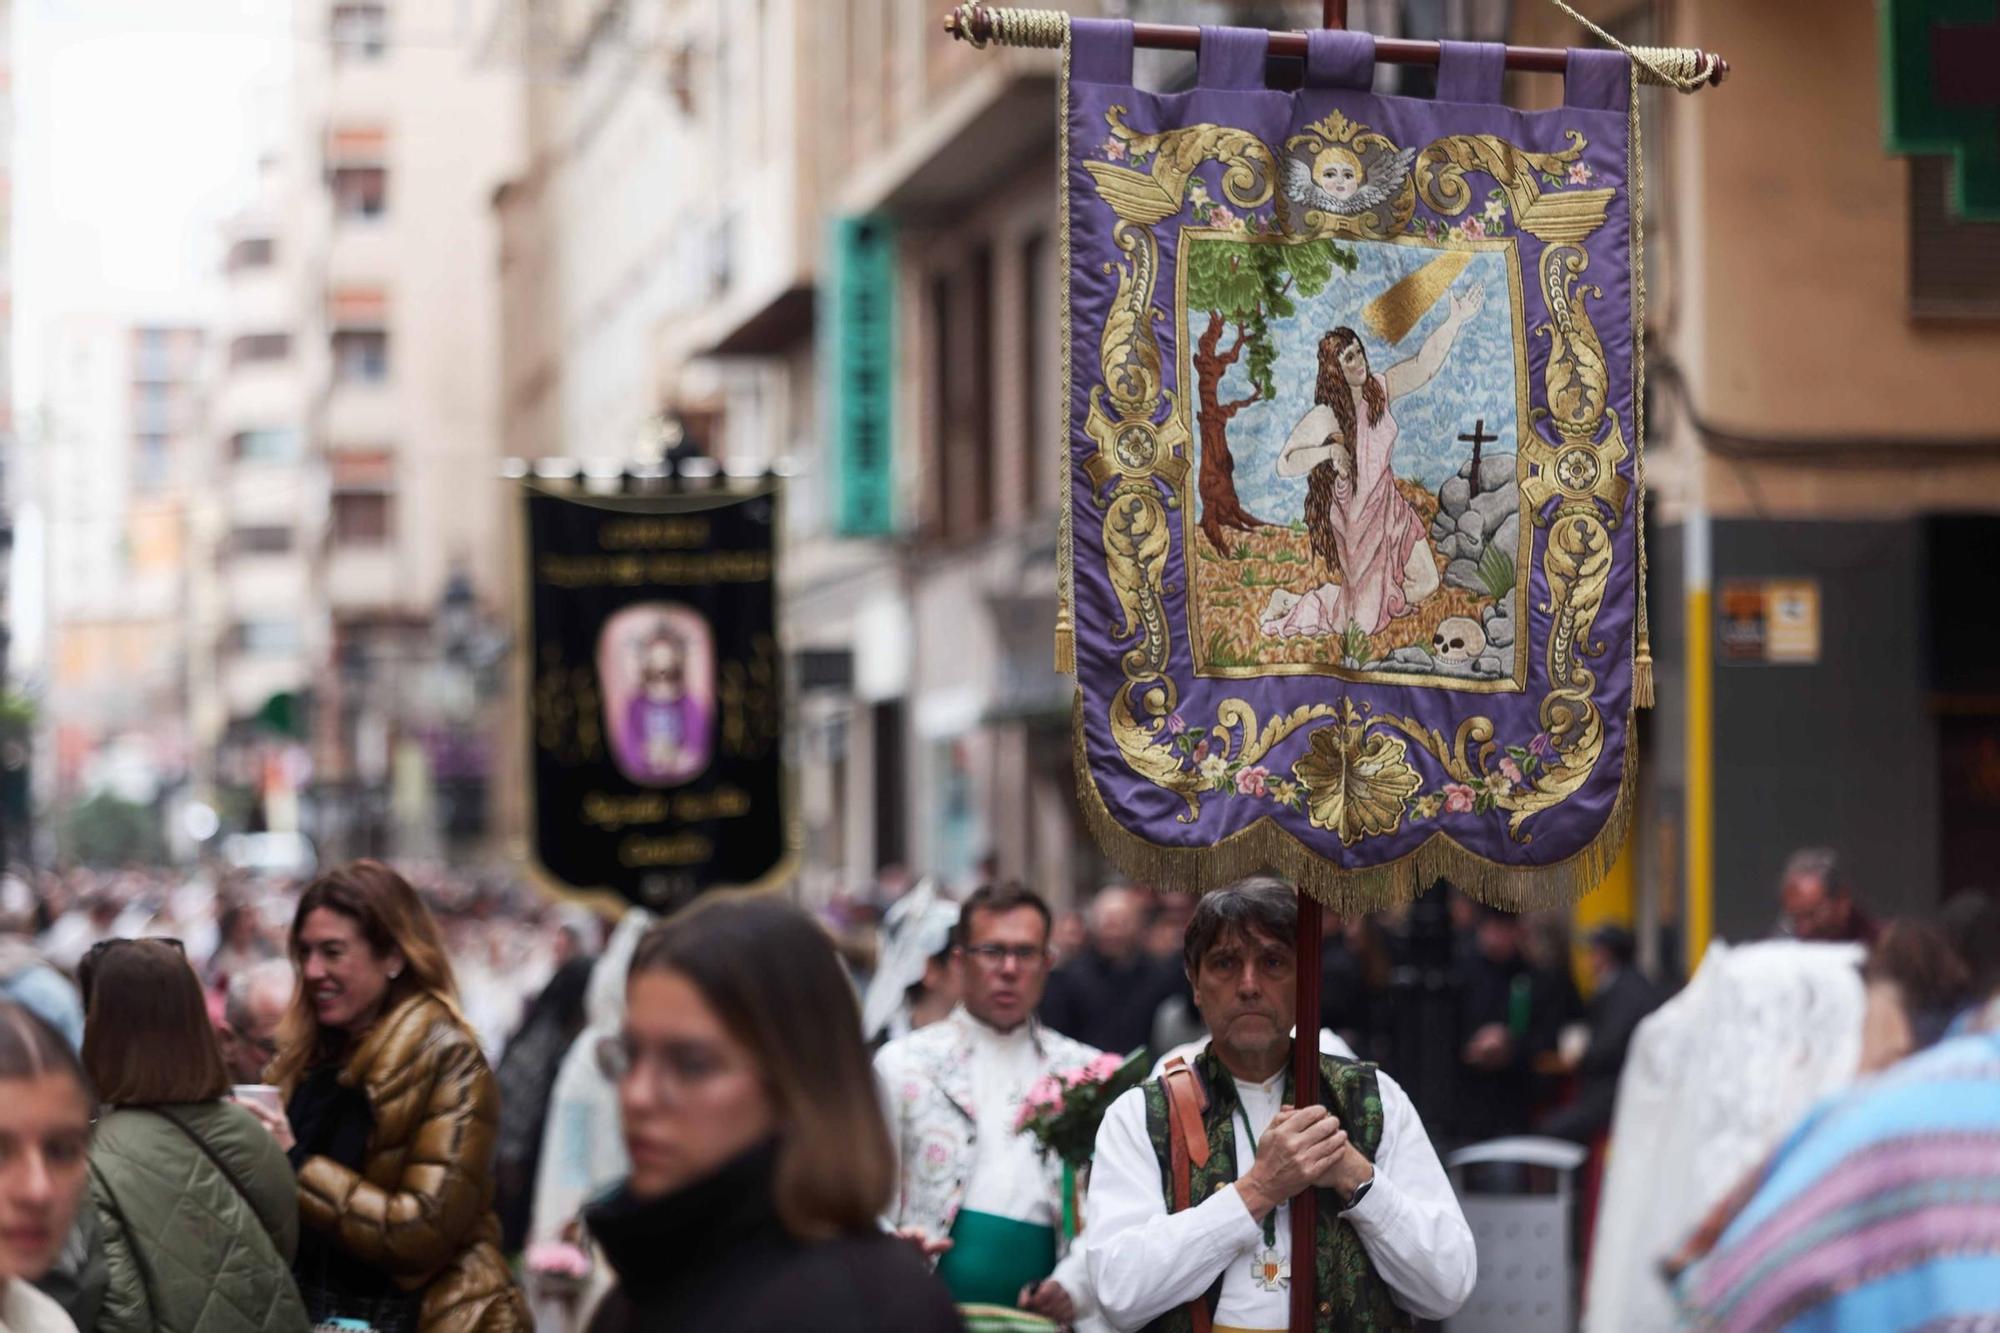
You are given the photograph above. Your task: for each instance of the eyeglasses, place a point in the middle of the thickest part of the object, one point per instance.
(674, 1070)
(995, 955)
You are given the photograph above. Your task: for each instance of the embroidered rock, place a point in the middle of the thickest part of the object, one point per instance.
(1493, 508)
(1508, 535)
(1464, 573)
(1496, 472)
(1490, 665)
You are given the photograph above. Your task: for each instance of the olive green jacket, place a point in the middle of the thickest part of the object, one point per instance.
(198, 1226)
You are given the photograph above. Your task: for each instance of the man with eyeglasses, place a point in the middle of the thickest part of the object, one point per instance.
(973, 1191)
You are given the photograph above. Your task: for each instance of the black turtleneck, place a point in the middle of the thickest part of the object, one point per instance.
(715, 1256)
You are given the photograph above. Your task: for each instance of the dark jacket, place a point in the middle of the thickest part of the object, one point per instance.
(421, 1207)
(197, 1221)
(715, 1257)
(1109, 1005)
(1614, 1013)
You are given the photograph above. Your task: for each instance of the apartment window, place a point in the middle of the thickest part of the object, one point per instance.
(360, 356)
(361, 518)
(276, 444)
(359, 31)
(267, 638)
(259, 347)
(360, 194)
(1954, 264)
(154, 357)
(262, 540)
(252, 252)
(152, 407)
(149, 461)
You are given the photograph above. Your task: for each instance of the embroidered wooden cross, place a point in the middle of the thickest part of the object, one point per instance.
(1475, 439)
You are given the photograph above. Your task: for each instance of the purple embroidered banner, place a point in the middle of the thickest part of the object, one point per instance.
(1351, 555)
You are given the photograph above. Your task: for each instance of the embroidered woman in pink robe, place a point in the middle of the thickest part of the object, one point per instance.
(1362, 528)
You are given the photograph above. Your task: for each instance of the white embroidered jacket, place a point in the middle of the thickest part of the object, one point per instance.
(926, 1082)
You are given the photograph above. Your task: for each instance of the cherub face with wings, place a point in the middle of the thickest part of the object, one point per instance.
(1339, 172)
(1347, 177)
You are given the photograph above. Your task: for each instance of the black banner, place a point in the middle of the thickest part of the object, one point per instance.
(657, 703)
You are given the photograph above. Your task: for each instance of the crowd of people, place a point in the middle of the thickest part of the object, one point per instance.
(411, 1100)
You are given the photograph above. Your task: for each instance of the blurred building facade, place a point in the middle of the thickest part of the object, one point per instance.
(402, 133)
(122, 439)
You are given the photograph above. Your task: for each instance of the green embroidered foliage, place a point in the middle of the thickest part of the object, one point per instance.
(1251, 284)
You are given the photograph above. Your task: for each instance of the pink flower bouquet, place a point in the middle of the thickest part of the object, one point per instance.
(557, 1269)
(1063, 1110)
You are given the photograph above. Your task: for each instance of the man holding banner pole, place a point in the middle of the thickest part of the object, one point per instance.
(1189, 1213)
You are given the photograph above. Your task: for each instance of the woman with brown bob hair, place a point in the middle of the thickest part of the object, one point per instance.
(390, 1117)
(760, 1158)
(197, 1214)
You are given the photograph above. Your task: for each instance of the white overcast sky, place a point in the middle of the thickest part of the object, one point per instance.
(137, 128)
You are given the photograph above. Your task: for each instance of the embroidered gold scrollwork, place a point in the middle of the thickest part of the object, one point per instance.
(1156, 194)
(1576, 466)
(1355, 782)
(1129, 441)
(1136, 540)
(1560, 216)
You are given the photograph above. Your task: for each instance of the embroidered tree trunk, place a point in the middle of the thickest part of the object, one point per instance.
(1221, 511)
(1246, 286)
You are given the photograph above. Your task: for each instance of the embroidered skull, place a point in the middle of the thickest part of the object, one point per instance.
(1458, 639)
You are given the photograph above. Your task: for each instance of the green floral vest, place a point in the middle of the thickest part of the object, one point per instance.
(1352, 1296)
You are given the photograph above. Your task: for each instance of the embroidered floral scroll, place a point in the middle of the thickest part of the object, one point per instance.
(1352, 559)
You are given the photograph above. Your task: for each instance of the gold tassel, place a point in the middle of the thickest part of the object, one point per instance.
(1642, 674)
(1066, 644)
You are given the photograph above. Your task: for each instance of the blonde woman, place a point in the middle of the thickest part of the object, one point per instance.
(390, 1118)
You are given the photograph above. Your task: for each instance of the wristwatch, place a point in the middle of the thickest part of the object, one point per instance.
(1360, 1193)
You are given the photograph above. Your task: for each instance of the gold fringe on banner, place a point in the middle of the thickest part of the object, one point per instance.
(1266, 848)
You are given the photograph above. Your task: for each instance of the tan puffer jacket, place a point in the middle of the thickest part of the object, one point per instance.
(423, 1209)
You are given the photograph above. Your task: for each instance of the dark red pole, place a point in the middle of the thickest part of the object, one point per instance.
(1305, 1085)
(1333, 14)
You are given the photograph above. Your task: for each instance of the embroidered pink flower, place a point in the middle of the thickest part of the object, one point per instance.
(1200, 751)
(1176, 724)
(1511, 771)
(1115, 149)
(1458, 798)
(1220, 216)
(1250, 781)
(1542, 746)
(1579, 173)
(1473, 228)
(934, 1154)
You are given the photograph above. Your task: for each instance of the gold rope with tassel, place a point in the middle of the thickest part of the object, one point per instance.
(1065, 526)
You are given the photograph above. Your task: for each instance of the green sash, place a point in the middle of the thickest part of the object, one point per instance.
(1352, 1296)
(991, 1258)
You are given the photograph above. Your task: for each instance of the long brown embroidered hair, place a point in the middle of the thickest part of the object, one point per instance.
(1332, 391)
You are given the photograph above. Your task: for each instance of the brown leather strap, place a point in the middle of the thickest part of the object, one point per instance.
(1185, 1103)
(1187, 1147)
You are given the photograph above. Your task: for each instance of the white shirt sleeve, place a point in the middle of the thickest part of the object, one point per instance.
(892, 1117)
(1143, 1260)
(1409, 1221)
